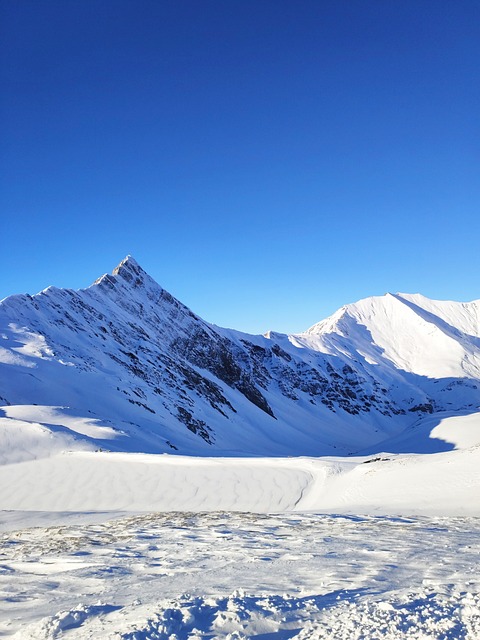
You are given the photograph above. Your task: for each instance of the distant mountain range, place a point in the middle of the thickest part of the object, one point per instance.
(149, 375)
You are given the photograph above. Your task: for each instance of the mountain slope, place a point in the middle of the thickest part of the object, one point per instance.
(417, 335)
(139, 371)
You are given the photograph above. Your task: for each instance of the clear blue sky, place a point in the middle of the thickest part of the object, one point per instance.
(265, 161)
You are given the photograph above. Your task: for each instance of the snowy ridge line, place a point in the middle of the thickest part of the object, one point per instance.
(133, 369)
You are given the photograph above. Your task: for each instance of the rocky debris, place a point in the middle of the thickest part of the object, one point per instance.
(199, 427)
(426, 407)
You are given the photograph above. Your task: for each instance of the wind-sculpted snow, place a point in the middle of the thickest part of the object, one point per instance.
(130, 358)
(43, 478)
(236, 576)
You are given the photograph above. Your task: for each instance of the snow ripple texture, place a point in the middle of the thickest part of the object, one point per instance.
(237, 576)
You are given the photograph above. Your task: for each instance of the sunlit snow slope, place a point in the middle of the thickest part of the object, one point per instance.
(123, 366)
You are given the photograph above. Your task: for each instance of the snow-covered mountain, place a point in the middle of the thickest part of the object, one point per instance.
(124, 366)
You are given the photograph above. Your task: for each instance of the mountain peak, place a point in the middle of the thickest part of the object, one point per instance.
(128, 265)
(128, 270)
(131, 272)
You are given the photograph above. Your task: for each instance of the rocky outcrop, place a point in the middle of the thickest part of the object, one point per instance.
(148, 351)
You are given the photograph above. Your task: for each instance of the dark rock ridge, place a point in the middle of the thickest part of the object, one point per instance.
(130, 351)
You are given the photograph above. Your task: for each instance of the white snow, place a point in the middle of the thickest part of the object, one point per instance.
(61, 416)
(47, 478)
(105, 535)
(180, 576)
(426, 337)
(461, 431)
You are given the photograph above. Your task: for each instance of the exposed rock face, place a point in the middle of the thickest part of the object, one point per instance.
(130, 352)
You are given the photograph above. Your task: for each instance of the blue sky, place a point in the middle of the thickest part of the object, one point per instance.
(265, 161)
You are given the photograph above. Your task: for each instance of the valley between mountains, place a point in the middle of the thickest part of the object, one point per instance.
(162, 478)
(95, 383)
(148, 375)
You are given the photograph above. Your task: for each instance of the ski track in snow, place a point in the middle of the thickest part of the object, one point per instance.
(239, 575)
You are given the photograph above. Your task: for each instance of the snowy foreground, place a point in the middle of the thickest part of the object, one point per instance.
(243, 575)
(105, 545)
(114, 545)
(239, 547)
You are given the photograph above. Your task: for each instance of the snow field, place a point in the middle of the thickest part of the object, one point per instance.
(226, 575)
(437, 484)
